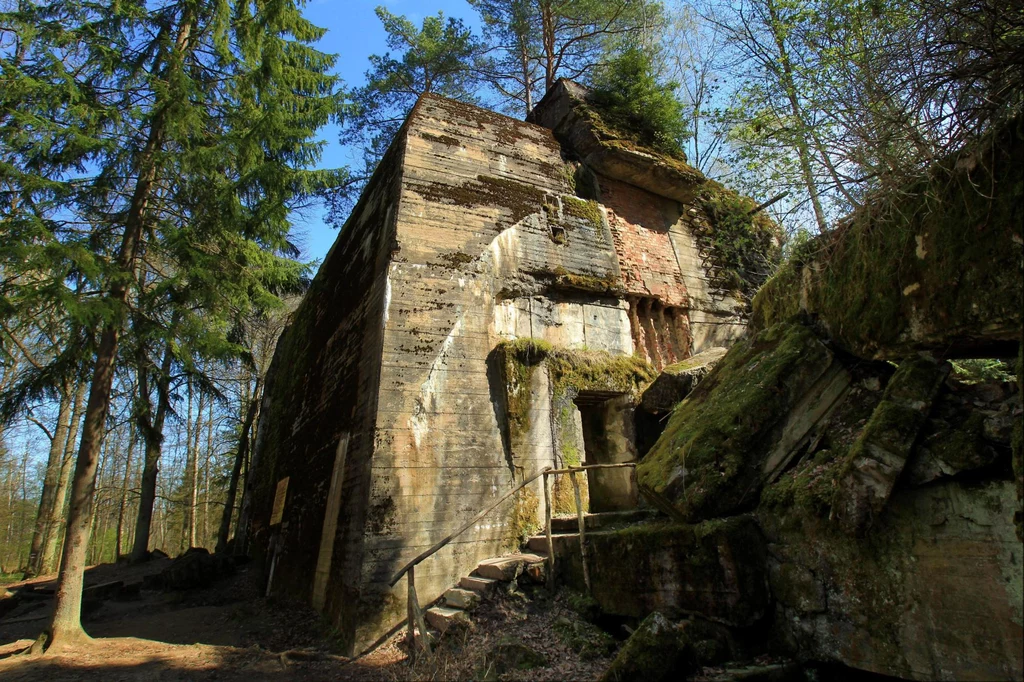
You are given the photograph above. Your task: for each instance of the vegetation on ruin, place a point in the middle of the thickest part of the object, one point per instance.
(908, 247)
(707, 459)
(743, 244)
(570, 371)
(631, 101)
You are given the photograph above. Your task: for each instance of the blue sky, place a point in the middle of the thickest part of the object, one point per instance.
(354, 33)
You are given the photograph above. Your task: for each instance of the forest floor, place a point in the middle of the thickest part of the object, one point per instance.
(230, 632)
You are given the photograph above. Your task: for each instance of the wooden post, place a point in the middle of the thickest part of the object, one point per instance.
(581, 524)
(415, 616)
(547, 527)
(411, 617)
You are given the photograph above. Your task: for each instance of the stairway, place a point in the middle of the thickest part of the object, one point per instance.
(489, 575)
(492, 574)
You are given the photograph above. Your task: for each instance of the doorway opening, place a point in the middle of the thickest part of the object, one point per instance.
(609, 437)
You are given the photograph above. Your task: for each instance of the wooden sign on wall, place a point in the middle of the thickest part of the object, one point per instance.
(282, 491)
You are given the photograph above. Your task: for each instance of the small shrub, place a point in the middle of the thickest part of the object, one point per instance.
(630, 99)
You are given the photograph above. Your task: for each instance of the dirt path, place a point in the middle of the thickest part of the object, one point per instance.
(230, 632)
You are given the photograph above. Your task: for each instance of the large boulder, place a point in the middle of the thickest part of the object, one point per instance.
(709, 461)
(676, 381)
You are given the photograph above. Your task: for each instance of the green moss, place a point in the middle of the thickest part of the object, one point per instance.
(707, 461)
(440, 139)
(743, 245)
(456, 259)
(518, 198)
(586, 640)
(587, 211)
(810, 486)
(940, 256)
(958, 445)
(607, 284)
(778, 299)
(657, 650)
(570, 372)
(519, 358)
(524, 518)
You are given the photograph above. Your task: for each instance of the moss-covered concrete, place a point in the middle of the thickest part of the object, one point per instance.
(569, 373)
(743, 243)
(716, 569)
(931, 591)
(708, 462)
(657, 650)
(877, 458)
(935, 266)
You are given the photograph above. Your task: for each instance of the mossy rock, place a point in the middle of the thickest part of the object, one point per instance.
(508, 655)
(587, 640)
(658, 650)
(940, 259)
(708, 461)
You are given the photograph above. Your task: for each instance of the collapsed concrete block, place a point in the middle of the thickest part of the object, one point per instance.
(709, 460)
(880, 453)
(934, 267)
(932, 591)
(676, 381)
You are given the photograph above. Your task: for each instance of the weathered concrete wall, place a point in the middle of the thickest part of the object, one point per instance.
(933, 593)
(319, 413)
(471, 234)
(716, 569)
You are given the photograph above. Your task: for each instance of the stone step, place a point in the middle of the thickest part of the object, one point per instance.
(507, 568)
(538, 543)
(479, 584)
(601, 520)
(458, 598)
(442, 617)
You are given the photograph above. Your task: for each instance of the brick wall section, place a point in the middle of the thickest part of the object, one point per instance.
(640, 222)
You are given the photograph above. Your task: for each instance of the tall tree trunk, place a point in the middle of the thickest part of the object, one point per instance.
(152, 427)
(241, 455)
(66, 626)
(193, 473)
(547, 19)
(803, 129)
(53, 542)
(23, 507)
(123, 504)
(44, 515)
(206, 471)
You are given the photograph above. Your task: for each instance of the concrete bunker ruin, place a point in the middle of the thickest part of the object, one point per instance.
(497, 301)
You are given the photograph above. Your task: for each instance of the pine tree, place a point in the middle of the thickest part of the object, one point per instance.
(171, 134)
(533, 43)
(436, 57)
